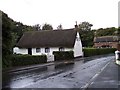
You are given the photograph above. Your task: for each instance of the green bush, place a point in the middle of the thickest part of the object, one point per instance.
(97, 51)
(63, 55)
(6, 62)
(21, 60)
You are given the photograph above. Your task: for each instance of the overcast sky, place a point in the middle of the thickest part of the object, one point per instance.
(100, 13)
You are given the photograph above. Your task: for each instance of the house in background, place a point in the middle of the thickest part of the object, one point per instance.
(47, 41)
(106, 41)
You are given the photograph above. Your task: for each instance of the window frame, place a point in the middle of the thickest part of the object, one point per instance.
(38, 50)
(61, 49)
(47, 50)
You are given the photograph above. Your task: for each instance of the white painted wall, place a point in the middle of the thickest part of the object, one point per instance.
(68, 49)
(43, 51)
(20, 50)
(51, 51)
(25, 51)
(78, 46)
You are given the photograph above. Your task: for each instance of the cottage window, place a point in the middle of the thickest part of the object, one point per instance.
(38, 50)
(61, 49)
(47, 50)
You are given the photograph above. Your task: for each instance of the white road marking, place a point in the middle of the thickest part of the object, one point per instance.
(91, 80)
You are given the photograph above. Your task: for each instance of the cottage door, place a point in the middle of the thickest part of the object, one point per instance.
(30, 51)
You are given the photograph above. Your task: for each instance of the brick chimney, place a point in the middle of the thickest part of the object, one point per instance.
(76, 26)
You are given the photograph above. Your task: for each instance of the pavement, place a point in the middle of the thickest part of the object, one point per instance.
(21, 68)
(108, 78)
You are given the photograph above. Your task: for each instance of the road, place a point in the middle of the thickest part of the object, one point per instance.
(77, 75)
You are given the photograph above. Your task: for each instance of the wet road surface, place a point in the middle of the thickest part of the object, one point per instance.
(75, 75)
(108, 78)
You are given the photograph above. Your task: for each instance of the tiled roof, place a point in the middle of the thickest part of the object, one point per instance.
(107, 39)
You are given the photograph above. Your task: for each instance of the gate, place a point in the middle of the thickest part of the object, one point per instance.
(50, 58)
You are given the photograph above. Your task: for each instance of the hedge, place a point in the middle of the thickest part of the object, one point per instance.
(97, 51)
(21, 60)
(63, 55)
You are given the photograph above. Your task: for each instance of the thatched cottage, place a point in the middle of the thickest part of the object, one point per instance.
(45, 42)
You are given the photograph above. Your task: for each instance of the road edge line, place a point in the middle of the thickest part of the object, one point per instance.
(91, 80)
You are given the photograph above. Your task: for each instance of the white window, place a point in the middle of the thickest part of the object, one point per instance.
(38, 50)
(47, 50)
(61, 49)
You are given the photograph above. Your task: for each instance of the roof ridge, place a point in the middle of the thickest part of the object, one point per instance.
(107, 36)
(51, 30)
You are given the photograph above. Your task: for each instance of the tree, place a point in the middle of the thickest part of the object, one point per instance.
(59, 27)
(118, 31)
(47, 27)
(6, 39)
(11, 33)
(87, 38)
(37, 27)
(111, 31)
(85, 26)
(87, 35)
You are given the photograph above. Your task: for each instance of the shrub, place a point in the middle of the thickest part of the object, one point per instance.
(6, 61)
(97, 51)
(21, 60)
(63, 55)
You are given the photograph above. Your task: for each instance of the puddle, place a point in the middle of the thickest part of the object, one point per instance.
(65, 64)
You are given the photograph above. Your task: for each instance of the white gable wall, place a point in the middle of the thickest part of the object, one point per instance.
(78, 46)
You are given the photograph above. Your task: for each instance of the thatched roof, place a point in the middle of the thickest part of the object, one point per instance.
(55, 38)
(107, 39)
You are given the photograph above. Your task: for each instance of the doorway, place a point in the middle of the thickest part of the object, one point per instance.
(30, 51)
